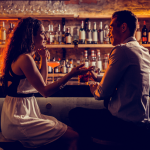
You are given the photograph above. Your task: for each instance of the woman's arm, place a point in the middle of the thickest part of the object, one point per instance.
(28, 66)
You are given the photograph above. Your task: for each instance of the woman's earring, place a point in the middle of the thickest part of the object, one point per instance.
(32, 46)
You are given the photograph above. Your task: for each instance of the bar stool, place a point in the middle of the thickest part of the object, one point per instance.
(7, 144)
(99, 144)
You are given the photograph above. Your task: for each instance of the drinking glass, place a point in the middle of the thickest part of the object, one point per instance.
(53, 64)
(83, 78)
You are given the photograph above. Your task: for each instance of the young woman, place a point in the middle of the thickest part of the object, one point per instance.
(21, 118)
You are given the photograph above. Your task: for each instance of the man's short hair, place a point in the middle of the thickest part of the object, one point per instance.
(127, 17)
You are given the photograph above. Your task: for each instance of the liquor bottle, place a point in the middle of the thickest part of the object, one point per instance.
(59, 67)
(82, 58)
(70, 66)
(71, 32)
(59, 39)
(84, 78)
(67, 65)
(89, 34)
(94, 34)
(49, 67)
(99, 62)
(106, 32)
(144, 34)
(10, 30)
(64, 67)
(55, 68)
(82, 34)
(93, 61)
(75, 35)
(3, 33)
(78, 61)
(86, 29)
(138, 33)
(100, 34)
(68, 37)
(48, 34)
(149, 36)
(63, 35)
(51, 36)
(69, 69)
(106, 57)
(86, 61)
(71, 63)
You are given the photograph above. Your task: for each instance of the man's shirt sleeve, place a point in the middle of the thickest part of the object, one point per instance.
(117, 66)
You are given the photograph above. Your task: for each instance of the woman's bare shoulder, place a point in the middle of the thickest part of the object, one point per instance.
(26, 58)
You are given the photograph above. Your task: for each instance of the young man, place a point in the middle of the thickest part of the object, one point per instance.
(124, 88)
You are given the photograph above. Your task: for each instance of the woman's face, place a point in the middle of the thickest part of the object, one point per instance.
(39, 39)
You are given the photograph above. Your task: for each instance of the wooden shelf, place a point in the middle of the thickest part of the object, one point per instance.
(94, 16)
(60, 46)
(95, 46)
(82, 46)
(60, 16)
(146, 45)
(2, 46)
(82, 16)
(143, 16)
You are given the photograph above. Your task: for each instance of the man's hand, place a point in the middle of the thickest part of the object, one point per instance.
(93, 75)
(93, 87)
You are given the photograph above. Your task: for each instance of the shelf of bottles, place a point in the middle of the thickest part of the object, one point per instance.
(86, 37)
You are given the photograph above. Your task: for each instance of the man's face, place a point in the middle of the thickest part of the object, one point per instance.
(114, 32)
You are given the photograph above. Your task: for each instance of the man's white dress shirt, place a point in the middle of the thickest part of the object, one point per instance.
(126, 82)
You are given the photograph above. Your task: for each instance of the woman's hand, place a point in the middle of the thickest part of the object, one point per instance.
(43, 52)
(79, 70)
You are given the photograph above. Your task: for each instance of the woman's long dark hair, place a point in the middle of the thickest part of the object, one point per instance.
(21, 42)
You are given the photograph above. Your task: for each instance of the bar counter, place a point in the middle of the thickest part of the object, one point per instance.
(59, 104)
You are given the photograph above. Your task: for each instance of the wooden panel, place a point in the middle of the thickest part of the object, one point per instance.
(41, 17)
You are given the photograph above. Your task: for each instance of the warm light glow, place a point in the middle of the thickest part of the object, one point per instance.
(8, 19)
(2, 58)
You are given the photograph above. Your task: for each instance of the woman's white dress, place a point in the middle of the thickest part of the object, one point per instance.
(22, 120)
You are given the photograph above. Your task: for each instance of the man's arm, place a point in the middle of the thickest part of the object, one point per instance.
(118, 63)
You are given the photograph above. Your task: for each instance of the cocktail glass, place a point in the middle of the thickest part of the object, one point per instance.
(53, 64)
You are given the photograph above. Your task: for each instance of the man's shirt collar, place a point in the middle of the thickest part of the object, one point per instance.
(131, 38)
